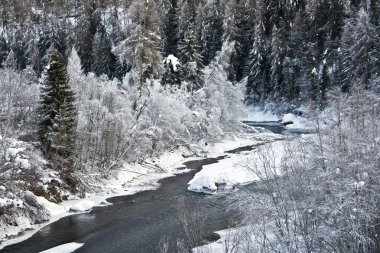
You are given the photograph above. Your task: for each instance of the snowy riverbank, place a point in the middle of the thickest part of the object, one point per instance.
(236, 169)
(128, 180)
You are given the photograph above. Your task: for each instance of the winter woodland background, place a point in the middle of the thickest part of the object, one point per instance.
(87, 85)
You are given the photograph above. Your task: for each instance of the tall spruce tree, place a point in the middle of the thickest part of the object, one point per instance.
(86, 29)
(259, 75)
(360, 57)
(58, 117)
(4, 49)
(244, 39)
(212, 34)
(191, 62)
(276, 59)
(103, 59)
(171, 30)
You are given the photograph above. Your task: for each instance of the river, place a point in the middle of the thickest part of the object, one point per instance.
(135, 223)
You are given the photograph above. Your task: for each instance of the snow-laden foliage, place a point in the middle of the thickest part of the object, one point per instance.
(325, 195)
(221, 98)
(113, 129)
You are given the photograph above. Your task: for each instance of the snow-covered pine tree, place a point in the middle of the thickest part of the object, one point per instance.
(292, 62)
(4, 49)
(230, 35)
(244, 38)
(212, 33)
(86, 29)
(324, 85)
(191, 62)
(360, 56)
(171, 30)
(103, 59)
(19, 48)
(172, 74)
(276, 59)
(58, 117)
(11, 61)
(259, 75)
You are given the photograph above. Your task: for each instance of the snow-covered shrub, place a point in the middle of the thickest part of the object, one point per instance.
(130, 122)
(220, 102)
(325, 197)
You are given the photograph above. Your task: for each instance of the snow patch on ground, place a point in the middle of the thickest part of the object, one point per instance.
(235, 169)
(256, 114)
(64, 248)
(238, 239)
(82, 206)
(295, 122)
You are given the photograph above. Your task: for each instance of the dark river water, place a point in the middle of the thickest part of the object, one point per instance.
(135, 223)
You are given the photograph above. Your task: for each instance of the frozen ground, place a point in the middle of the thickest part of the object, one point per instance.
(129, 180)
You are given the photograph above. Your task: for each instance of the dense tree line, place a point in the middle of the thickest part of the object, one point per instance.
(291, 51)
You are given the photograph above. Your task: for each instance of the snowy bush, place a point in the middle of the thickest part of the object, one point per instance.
(325, 196)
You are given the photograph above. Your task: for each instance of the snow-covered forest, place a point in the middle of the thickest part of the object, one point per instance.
(88, 86)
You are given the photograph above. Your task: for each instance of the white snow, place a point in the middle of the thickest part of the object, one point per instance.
(256, 114)
(288, 118)
(55, 210)
(173, 61)
(22, 163)
(82, 206)
(234, 170)
(12, 153)
(9, 201)
(64, 248)
(229, 239)
(296, 122)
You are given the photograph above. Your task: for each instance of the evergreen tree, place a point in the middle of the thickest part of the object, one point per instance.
(310, 72)
(171, 30)
(103, 59)
(360, 56)
(244, 39)
(19, 48)
(212, 34)
(58, 117)
(325, 84)
(276, 61)
(191, 60)
(292, 63)
(4, 49)
(10, 61)
(172, 74)
(258, 79)
(88, 23)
